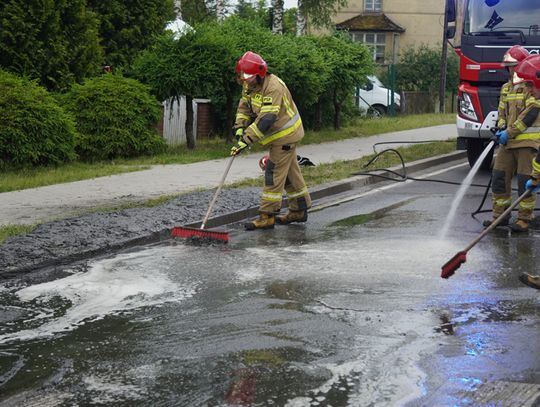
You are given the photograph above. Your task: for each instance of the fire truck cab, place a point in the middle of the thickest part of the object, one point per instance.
(483, 31)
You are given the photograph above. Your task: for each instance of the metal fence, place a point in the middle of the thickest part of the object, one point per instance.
(174, 120)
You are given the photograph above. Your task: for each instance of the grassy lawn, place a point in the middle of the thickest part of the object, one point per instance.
(324, 173)
(12, 180)
(13, 230)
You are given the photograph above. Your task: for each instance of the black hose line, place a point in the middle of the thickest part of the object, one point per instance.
(404, 177)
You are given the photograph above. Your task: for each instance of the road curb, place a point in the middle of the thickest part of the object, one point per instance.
(318, 192)
(338, 187)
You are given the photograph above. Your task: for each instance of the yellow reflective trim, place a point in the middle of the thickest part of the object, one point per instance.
(502, 105)
(532, 101)
(242, 116)
(296, 194)
(256, 103)
(520, 125)
(258, 133)
(535, 165)
(527, 205)
(282, 133)
(267, 99)
(528, 136)
(503, 202)
(272, 196)
(270, 109)
(288, 107)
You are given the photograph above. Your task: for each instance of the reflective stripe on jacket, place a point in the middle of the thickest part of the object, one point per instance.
(272, 99)
(523, 123)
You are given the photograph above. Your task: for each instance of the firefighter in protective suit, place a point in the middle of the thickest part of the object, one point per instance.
(519, 140)
(529, 71)
(267, 114)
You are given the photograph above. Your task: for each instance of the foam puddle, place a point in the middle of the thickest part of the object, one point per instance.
(110, 286)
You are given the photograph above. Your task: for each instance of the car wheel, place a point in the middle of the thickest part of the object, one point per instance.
(376, 111)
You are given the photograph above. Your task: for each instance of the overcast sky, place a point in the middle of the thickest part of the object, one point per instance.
(290, 3)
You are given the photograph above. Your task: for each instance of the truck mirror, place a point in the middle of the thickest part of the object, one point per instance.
(451, 32)
(368, 86)
(451, 11)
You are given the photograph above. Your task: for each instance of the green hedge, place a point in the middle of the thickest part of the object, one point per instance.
(115, 116)
(33, 128)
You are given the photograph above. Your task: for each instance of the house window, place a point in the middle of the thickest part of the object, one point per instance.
(372, 5)
(375, 41)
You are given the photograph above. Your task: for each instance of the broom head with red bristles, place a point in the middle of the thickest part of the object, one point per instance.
(200, 234)
(453, 264)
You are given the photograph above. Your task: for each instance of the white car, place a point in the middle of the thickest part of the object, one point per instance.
(374, 99)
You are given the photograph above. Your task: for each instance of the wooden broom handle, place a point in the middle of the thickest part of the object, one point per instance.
(499, 219)
(218, 190)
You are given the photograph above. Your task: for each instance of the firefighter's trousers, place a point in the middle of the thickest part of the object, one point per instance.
(283, 173)
(508, 162)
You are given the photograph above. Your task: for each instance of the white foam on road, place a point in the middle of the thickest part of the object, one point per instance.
(110, 286)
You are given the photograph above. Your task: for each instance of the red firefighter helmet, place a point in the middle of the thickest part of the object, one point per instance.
(514, 56)
(262, 162)
(251, 64)
(528, 70)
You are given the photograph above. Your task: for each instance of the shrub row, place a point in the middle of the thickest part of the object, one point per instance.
(106, 117)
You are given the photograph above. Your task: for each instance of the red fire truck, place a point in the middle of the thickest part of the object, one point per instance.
(482, 31)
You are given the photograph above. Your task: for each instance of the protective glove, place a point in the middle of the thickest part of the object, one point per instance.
(502, 137)
(532, 185)
(239, 133)
(237, 149)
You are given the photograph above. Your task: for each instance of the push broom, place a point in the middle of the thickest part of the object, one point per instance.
(459, 258)
(202, 233)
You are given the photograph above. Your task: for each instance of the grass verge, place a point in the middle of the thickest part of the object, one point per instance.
(13, 230)
(13, 180)
(338, 170)
(313, 175)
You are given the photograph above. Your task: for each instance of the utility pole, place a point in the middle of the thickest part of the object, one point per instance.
(444, 61)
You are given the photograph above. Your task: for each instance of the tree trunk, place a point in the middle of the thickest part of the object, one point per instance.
(229, 121)
(190, 138)
(277, 18)
(301, 26)
(221, 10)
(317, 120)
(178, 8)
(337, 112)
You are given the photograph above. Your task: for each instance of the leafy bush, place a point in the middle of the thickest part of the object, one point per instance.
(115, 117)
(419, 70)
(56, 42)
(33, 128)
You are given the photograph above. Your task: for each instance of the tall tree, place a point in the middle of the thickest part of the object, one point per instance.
(178, 8)
(277, 16)
(318, 12)
(186, 67)
(195, 11)
(55, 42)
(128, 27)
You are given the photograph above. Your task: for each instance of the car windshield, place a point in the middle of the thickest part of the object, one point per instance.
(502, 15)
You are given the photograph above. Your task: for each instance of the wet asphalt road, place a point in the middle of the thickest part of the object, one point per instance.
(347, 310)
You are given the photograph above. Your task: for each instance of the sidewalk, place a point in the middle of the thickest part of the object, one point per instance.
(42, 204)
